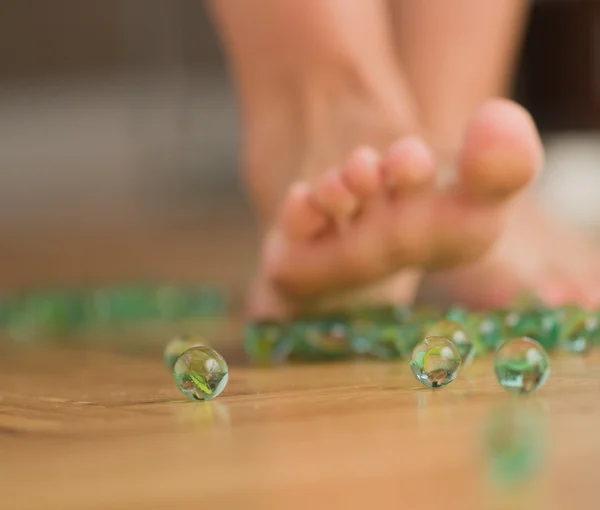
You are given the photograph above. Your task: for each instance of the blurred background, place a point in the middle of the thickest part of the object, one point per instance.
(118, 138)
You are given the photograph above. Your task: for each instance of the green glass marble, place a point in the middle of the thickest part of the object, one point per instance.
(595, 333)
(134, 303)
(569, 314)
(435, 362)
(201, 373)
(380, 340)
(426, 316)
(44, 314)
(206, 301)
(457, 334)
(101, 307)
(5, 310)
(466, 319)
(409, 336)
(521, 365)
(395, 341)
(171, 303)
(321, 339)
(364, 335)
(400, 313)
(525, 302)
(542, 325)
(381, 313)
(372, 329)
(268, 342)
(488, 330)
(457, 314)
(578, 337)
(177, 346)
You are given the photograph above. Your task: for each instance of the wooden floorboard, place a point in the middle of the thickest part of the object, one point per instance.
(85, 429)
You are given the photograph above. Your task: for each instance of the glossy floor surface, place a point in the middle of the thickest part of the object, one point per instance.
(90, 429)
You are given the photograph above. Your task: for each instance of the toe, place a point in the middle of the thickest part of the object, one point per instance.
(595, 293)
(564, 289)
(594, 289)
(582, 291)
(554, 292)
(333, 194)
(502, 151)
(361, 172)
(301, 217)
(408, 165)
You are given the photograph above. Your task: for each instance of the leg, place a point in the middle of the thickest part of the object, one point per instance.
(294, 64)
(457, 55)
(342, 185)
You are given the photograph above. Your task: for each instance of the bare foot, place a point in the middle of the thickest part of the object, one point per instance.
(379, 212)
(535, 254)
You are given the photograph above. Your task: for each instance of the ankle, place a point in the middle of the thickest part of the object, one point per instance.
(320, 105)
(322, 84)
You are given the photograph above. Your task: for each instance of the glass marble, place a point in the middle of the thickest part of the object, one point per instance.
(382, 313)
(376, 339)
(521, 365)
(178, 345)
(409, 336)
(321, 338)
(171, 302)
(595, 334)
(43, 314)
(201, 373)
(4, 310)
(101, 306)
(364, 335)
(426, 316)
(526, 302)
(435, 362)
(542, 325)
(135, 303)
(395, 341)
(457, 314)
(569, 314)
(578, 337)
(206, 301)
(488, 331)
(268, 342)
(457, 334)
(385, 332)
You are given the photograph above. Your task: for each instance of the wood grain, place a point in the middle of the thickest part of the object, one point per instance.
(91, 430)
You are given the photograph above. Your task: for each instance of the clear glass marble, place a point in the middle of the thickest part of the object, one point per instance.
(435, 362)
(542, 325)
(268, 342)
(488, 329)
(177, 346)
(201, 373)
(578, 337)
(521, 365)
(457, 334)
(321, 338)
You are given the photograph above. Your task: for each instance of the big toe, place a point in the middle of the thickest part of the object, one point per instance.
(502, 151)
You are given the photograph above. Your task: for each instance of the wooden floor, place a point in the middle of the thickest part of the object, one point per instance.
(84, 429)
